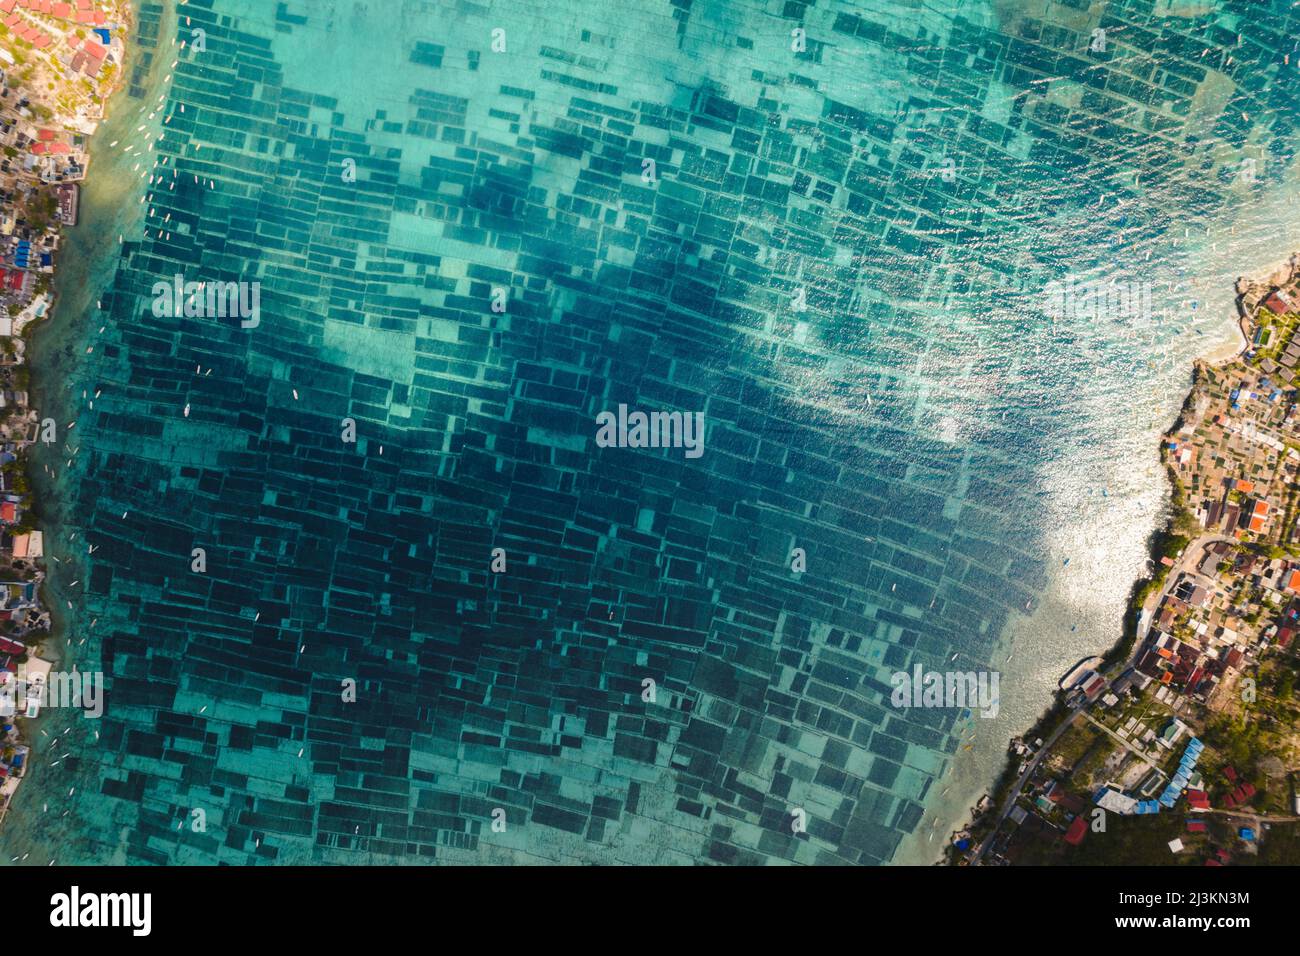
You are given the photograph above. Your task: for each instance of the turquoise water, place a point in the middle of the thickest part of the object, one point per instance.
(843, 259)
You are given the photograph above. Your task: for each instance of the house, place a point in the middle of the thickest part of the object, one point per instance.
(1183, 590)
(1068, 802)
(1094, 687)
(1172, 732)
(11, 654)
(29, 545)
(1150, 665)
(1109, 798)
(1256, 517)
(1151, 784)
(1280, 302)
(69, 202)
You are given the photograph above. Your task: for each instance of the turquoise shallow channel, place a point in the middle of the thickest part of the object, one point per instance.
(829, 227)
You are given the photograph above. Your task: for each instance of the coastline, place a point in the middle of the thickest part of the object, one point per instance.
(42, 503)
(984, 819)
(49, 648)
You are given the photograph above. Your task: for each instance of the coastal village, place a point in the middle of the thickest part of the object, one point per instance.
(1178, 748)
(1183, 745)
(59, 61)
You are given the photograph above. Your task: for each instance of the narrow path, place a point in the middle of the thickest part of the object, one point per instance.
(1126, 744)
(1020, 784)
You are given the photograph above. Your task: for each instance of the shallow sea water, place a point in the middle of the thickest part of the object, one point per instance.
(843, 259)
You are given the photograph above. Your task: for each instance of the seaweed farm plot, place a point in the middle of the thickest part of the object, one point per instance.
(387, 567)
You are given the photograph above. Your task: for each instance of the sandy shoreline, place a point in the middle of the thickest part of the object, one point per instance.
(1230, 351)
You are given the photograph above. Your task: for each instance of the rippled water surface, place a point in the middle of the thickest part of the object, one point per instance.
(841, 231)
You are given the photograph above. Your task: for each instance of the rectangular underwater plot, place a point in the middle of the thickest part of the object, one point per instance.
(531, 438)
